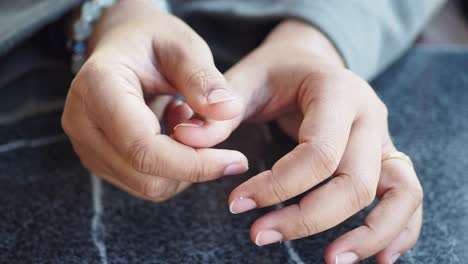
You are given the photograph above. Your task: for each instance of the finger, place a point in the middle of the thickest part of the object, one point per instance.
(148, 187)
(400, 195)
(322, 141)
(404, 241)
(202, 134)
(189, 66)
(351, 190)
(248, 79)
(115, 104)
(99, 156)
(188, 129)
(158, 104)
(185, 127)
(176, 112)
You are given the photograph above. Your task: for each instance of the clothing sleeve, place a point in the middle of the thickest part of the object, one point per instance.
(369, 34)
(21, 19)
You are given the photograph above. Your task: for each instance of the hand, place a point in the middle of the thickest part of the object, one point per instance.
(297, 77)
(138, 53)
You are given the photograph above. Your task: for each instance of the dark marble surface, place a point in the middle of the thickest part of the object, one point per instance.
(50, 213)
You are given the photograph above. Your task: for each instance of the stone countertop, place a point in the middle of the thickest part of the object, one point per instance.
(53, 211)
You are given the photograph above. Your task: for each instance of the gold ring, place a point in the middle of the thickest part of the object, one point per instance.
(397, 155)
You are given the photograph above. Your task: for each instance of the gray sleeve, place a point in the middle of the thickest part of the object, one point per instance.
(370, 34)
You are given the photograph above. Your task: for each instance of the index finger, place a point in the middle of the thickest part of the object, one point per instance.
(114, 101)
(323, 135)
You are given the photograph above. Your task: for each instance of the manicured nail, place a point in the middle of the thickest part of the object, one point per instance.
(346, 258)
(240, 205)
(394, 258)
(266, 237)
(235, 169)
(219, 96)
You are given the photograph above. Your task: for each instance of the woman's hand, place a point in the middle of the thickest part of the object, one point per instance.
(138, 53)
(297, 78)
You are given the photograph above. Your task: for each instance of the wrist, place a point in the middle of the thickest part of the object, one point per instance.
(128, 15)
(302, 37)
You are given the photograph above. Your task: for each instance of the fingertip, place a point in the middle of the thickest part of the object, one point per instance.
(235, 169)
(191, 123)
(217, 104)
(176, 113)
(219, 95)
(223, 157)
(331, 253)
(386, 257)
(222, 110)
(201, 133)
(240, 193)
(254, 230)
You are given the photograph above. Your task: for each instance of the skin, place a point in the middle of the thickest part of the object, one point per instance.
(109, 116)
(295, 77)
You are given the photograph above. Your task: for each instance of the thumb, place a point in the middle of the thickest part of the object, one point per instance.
(248, 78)
(190, 68)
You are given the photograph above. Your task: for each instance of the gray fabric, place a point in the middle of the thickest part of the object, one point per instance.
(369, 34)
(19, 19)
(50, 213)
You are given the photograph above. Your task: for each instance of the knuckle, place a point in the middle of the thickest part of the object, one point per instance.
(92, 71)
(78, 88)
(279, 191)
(86, 81)
(204, 78)
(66, 124)
(414, 239)
(196, 172)
(377, 111)
(361, 194)
(379, 240)
(416, 193)
(325, 156)
(155, 189)
(383, 109)
(307, 225)
(143, 159)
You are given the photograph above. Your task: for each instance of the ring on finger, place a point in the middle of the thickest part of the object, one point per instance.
(397, 155)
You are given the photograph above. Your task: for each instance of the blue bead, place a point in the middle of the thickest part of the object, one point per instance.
(163, 5)
(77, 62)
(90, 11)
(105, 3)
(179, 97)
(81, 30)
(79, 47)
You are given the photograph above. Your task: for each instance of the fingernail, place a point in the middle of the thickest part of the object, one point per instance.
(191, 123)
(240, 205)
(219, 95)
(346, 258)
(235, 169)
(266, 237)
(394, 258)
(185, 125)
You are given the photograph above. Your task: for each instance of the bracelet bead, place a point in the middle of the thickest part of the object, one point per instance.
(90, 11)
(81, 30)
(105, 3)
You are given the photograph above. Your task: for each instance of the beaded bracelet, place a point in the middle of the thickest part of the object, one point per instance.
(91, 10)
